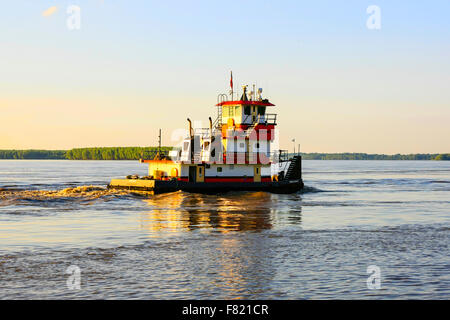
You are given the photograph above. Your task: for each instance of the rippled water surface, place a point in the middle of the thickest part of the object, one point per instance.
(254, 245)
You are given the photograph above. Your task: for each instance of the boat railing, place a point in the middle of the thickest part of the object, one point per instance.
(279, 156)
(218, 121)
(221, 97)
(270, 118)
(155, 154)
(203, 132)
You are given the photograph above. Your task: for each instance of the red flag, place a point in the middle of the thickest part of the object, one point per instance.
(231, 80)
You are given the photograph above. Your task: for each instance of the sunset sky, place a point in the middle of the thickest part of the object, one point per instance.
(137, 66)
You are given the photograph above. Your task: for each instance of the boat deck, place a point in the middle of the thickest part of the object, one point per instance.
(162, 186)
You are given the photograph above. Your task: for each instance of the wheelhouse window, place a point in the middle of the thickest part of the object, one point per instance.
(261, 110)
(219, 169)
(231, 111)
(247, 110)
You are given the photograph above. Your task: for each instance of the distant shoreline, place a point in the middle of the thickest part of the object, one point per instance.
(134, 153)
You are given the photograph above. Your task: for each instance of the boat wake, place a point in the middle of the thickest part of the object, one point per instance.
(307, 189)
(11, 196)
(80, 194)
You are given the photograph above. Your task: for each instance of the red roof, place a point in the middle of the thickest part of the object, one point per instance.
(254, 103)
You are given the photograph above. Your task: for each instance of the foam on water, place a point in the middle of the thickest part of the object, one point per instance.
(10, 197)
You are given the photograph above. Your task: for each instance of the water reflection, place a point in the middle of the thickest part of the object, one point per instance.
(244, 266)
(240, 265)
(249, 211)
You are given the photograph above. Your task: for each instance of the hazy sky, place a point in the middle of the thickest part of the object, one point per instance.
(136, 66)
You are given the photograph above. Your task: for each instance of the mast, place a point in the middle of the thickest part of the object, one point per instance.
(159, 142)
(231, 85)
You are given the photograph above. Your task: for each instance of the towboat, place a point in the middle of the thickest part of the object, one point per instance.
(237, 152)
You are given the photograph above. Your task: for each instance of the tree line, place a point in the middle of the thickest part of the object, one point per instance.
(113, 153)
(33, 154)
(365, 156)
(103, 153)
(135, 153)
(443, 156)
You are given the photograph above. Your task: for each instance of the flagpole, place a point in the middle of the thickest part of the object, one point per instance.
(232, 87)
(293, 140)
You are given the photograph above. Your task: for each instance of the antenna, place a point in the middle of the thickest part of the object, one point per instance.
(260, 94)
(159, 141)
(251, 95)
(293, 140)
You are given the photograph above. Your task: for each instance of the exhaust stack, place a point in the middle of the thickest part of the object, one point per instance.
(210, 127)
(191, 133)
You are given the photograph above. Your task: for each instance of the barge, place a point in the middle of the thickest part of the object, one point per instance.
(237, 152)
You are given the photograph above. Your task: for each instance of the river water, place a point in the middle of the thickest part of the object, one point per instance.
(392, 217)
